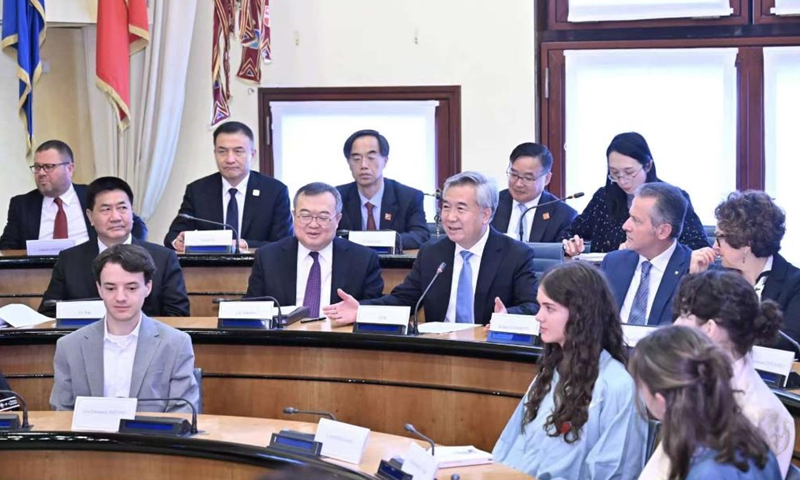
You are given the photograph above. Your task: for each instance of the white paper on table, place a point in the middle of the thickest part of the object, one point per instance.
(19, 315)
(445, 327)
(102, 414)
(419, 463)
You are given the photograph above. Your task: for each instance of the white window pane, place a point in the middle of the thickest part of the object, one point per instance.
(309, 137)
(682, 100)
(781, 104)
(610, 10)
(786, 7)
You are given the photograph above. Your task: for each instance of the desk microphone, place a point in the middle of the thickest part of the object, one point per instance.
(294, 411)
(10, 421)
(278, 324)
(219, 224)
(415, 325)
(790, 340)
(522, 217)
(53, 301)
(410, 429)
(148, 424)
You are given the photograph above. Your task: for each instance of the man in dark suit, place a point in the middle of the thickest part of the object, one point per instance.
(109, 202)
(485, 270)
(55, 209)
(310, 267)
(257, 206)
(644, 277)
(528, 175)
(373, 202)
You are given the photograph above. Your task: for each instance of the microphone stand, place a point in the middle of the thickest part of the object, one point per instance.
(236, 236)
(521, 231)
(437, 219)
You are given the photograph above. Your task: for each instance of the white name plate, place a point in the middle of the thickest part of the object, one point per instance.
(81, 309)
(380, 238)
(383, 315)
(341, 441)
(208, 238)
(40, 248)
(773, 360)
(509, 323)
(102, 414)
(420, 464)
(246, 310)
(633, 333)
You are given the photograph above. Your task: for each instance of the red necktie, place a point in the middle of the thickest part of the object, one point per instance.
(60, 226)
(370, 217)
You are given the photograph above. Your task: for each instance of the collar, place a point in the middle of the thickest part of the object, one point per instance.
(515, 204)
(661, 260)
(326, 253)
(102, 247)
(241, 188)
(476, 249)
(767, 267)
(377, 198)
(112, 337)
(68, 198)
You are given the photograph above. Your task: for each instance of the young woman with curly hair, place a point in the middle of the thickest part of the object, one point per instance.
(685, 381)
(750, 227)
(578, 419)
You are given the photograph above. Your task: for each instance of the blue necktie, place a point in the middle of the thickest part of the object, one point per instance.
(638, 315)
(313, 287)
(465, 297)
(232, 217)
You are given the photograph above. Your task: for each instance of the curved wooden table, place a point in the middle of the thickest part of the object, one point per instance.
(226, 447)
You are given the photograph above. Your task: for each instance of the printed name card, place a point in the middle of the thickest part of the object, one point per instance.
(39, 248)
(773, 360)
(383, 315)
(246, 310)
(633, 333)
(420, 464)
(102, 414)
(510, 323)
(208, 238)
(379, 238)
(82, 309)
(341, 441)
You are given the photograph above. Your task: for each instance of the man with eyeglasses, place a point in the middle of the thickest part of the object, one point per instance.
(528, 175)
(310, 267)
(55, 209)
(255, 205)
(373, 202)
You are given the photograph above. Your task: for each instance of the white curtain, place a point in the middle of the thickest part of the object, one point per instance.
(611, 10)
(143, 155)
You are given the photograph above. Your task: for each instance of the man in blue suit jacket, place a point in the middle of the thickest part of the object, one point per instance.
(485, 270)
(528, 175)
(653, 253)
(310, 267)
(259, 211)
(394, 206)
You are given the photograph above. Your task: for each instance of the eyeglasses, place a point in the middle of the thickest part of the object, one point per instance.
(323, 220)
(47, 167)
(223, 152)
(616, 177)
(525, 179)
(718, 237)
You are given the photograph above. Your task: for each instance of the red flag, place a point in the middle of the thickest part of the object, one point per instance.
(122, 30)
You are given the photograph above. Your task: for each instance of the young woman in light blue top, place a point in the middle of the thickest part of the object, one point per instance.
(685, 381)
(579, 418)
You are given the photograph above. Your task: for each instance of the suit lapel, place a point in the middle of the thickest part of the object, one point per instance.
(34, 215)
(438, 298)
(339, 270)
(621, 275)
(146, 348)
(213, 201)
(776, 277)
(490, 262)
(250, 206)
(80, 192)
(388, 206)
(541, 218)
(678, 264)
(92, 354)
(352, 207)
(288, 264)
(503, 214)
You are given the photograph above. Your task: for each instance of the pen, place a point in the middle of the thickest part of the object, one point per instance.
(309, 320)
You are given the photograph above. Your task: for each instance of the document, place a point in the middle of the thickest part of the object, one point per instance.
(450, 457)
(18, 315)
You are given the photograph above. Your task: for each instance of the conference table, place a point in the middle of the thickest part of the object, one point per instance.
(226, 447)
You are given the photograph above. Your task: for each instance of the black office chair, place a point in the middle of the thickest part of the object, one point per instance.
(653, 432)
(545, 255)
(198, 376)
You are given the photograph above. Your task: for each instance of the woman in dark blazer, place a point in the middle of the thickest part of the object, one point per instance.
(630, 164)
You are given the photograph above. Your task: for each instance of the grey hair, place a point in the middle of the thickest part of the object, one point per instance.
(318, 188)
(670, 206)
(486, 189)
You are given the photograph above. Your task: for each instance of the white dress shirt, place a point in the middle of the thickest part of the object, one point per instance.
(102, 247)
(458, 264)
(376, 200)
(119, 352)
(759, 286)
(659, 266)
(304, 263)
(516, 213)
(241, 196)
(76, 223)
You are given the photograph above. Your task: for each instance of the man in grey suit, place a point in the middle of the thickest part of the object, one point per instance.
(127, 354)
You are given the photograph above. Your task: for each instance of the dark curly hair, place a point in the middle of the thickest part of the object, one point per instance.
(630, 144)
(694, 377)
(593, 326)
(727, 298)
(752, 218)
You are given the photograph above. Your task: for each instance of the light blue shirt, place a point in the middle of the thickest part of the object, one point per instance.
(376, 200)
(704, 466)
(612, 443)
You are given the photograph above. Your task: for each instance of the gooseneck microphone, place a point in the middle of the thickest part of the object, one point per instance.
(410, 429)
(219, 224)
(415, 326)
(521, 232)
(294, 411)
(168, 420)
(277, 325)
(10, 421)
(790, 340)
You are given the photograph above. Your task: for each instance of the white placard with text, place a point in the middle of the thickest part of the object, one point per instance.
(341, 441)
(207, 238)
(257, 310)
(101, 414)
(40, 248)
(81, 309)
(383, 315)
(510, 323)
(420, 464)
(773, 360)
(379, 238)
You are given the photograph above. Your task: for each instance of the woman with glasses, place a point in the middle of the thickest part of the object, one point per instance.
(750, 227)
(630, 164)
(685, 381)
(579, 418)
(724, 307)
